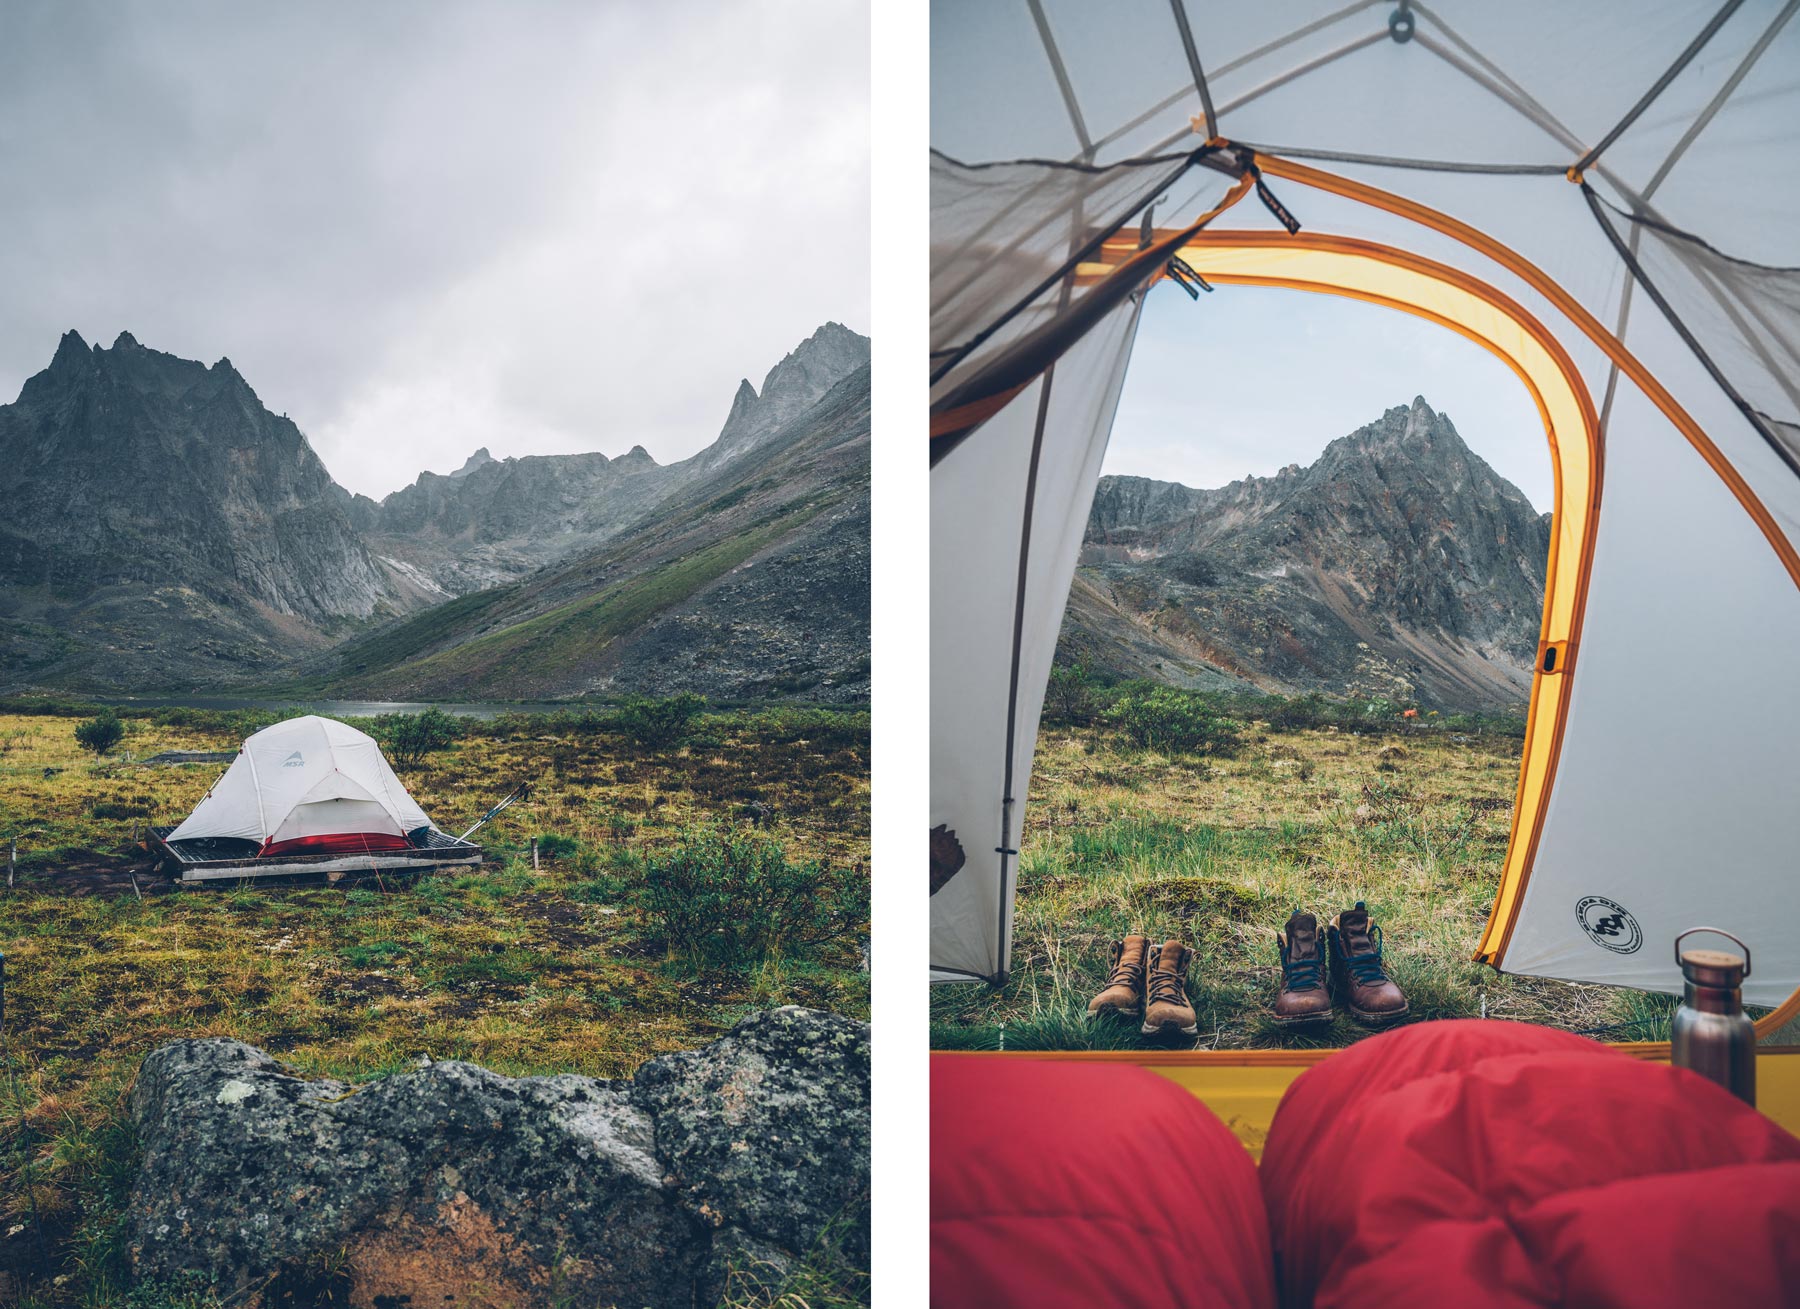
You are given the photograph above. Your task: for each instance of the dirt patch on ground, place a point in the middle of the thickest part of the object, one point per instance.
(90, 874)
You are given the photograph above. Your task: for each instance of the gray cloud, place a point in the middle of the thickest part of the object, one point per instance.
(421, 227)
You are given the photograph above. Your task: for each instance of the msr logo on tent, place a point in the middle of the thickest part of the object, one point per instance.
(1608, 924)
(295, 760)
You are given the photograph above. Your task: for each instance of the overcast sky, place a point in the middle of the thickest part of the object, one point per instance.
(417, 228)
(1250, 379)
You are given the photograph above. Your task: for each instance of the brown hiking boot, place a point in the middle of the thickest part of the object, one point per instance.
(1124, 993)
(1166, 1007)
(1303, 997)
(1356, 970)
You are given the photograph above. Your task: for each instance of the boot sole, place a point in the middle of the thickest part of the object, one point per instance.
(1369, 1019)
(1303, 1020)
(1115, 1011)
(1165, 1029)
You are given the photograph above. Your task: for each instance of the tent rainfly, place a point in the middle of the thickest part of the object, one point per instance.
(309, 786)
(1603, 195)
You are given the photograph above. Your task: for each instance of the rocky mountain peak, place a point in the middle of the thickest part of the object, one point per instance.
(477, 460)
(794, 385)
(742, 402)
(96, 440)
(72, 352)
(812, 367)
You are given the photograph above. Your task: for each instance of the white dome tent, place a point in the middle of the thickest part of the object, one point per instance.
(1606, 196)
(309, 794)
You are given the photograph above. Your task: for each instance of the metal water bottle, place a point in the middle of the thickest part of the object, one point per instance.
(1710, 1033)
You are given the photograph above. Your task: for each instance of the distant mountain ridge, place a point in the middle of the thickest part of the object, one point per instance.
(1398, 563)
(749, 582)
(493, 520)
(179, 535)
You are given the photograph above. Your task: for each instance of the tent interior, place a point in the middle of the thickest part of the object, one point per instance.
(1602, 196)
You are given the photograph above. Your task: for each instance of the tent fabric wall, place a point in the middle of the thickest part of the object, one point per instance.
(1007, 513)
(303, 778)
(1664, 265)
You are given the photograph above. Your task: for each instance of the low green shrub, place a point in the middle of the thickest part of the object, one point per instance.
(101, 734)
(657, 724)
(732, 898)
(1174, 722)
(407, 739)
(1070, 697)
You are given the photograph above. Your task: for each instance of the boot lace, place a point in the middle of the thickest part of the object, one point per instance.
(1366, 968)
(1124, 974)
(1166, 987)
(1302, 974)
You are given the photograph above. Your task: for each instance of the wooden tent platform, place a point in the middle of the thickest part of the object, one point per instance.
(226, 860)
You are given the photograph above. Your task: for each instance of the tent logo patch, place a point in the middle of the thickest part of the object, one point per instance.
(1608, 924)
(295, 760)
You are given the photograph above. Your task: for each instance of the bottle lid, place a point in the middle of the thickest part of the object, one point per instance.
(1716, 968)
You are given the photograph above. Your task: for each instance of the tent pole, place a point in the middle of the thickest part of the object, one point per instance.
(1193, 58)
(1724, 94)
(1686, 57)
(1242, 61)
(1062, 78)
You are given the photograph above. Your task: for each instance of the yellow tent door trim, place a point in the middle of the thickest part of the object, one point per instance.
(1400, 280)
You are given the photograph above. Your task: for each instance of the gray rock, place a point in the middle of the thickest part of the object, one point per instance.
(768, 1129)
(454, 1185)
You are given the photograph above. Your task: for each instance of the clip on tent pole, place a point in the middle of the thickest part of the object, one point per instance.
(520, 792)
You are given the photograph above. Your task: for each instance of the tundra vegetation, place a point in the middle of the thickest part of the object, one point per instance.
(1208, 818)
(617, 946)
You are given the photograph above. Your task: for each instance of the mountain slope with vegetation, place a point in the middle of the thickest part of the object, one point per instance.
(751, 582)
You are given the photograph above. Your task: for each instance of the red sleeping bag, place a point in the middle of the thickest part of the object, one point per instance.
(1489, 1163)
(1087, 1185)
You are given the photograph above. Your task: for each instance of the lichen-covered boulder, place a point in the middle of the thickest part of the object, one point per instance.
(456, 1186)
(767, 1129)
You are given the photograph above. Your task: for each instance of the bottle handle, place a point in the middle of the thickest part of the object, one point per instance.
(1717, 931)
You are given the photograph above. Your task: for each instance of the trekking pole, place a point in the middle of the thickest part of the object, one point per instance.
(520, 792)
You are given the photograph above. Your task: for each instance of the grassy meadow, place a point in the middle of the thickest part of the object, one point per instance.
(573, 966)
(1197, 818)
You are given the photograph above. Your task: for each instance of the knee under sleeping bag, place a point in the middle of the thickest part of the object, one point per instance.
(1087, 1185)
(1489, 1163)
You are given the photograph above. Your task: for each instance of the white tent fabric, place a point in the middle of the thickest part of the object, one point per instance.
(1621, 174)
(305, 777)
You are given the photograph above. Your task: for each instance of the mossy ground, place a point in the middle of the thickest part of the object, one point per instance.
(1217, 852)
(523, 970)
